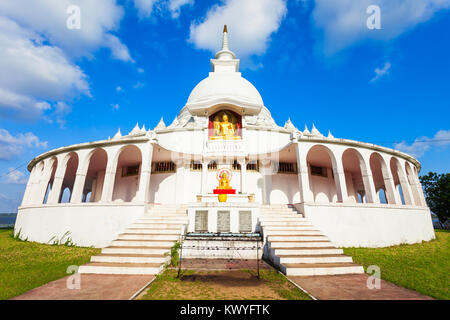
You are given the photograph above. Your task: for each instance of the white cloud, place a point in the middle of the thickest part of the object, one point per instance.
(422, 144)
(140, 70)
(144, 7)
(250, 25)
(33, 73)
(343, 23)
(119, 51)
(11, 146)
(175, 6)
(115, 106)
(48, 18)
(15, 177)
(381, 72)
(119, 89)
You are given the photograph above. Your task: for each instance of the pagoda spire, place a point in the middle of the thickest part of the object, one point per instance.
(225, 53)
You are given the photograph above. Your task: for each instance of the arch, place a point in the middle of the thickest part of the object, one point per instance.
(353, 164)
(401, 181)
(413, 184)
(126, 182)
(51, 179)
(382, 196)
(380, 176)
(66, 195)
(70, 162)
(321, 165)
(95, 175)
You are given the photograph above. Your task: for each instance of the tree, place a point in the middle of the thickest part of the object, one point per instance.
(437, 193)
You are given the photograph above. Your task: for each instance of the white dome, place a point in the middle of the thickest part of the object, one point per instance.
(225, 86)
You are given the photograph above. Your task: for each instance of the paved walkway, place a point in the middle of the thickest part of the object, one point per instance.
(353, 287)
(93, 287)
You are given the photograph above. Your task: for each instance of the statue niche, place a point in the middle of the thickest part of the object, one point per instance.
(225, 125)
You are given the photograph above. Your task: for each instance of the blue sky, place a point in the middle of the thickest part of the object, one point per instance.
(137, 61)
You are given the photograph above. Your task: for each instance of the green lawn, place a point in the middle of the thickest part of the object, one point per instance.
(423, 267)
(223, 285)
(27, 265)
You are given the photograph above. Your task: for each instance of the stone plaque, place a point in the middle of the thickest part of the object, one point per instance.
(201, 221)
(245, 221)
(223, 221)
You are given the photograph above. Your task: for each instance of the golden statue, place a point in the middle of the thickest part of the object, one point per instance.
(225, 130)
(224, 183)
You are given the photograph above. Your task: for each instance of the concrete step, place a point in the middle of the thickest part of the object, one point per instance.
(120, 268)
(289, 228)
(274, 215)
(323, 258)
(305, 251)
(297, 244)
(287, 219)
(153, 231)
(130, 258)
(286, 223)
(292, 232)
(296, 238)
(162, 220)
(145, 236)
(136, 250)
(173, 226)
(142, 243)
(320, 269)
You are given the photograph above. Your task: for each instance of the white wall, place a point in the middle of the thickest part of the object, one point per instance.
(89, 224)
(370, 225)
(125, 187)
(162, 187)
(285, 189)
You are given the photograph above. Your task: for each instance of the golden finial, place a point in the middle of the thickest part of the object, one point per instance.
(225, 28)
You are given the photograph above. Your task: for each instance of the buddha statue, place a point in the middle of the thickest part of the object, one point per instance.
(224, 183)
(224, 129)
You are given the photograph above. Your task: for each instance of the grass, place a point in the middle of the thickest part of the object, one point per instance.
(423, 267)
(222, 285)
(27, 265)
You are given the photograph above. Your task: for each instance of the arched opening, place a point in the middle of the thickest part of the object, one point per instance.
(382, 196)
(352, 162)
(412, 183)
(66, 195)
(126, 183)
(400, 181)
(379, 174)
(321, 178)
(69, 178)
(95, 176)
(51, 180)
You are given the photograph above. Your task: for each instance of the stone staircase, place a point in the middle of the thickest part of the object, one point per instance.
(144, 247)
(297, 248)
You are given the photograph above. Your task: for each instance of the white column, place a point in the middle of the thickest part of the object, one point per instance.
(110, 175)
(28, 189)
(423, 201)
(243, 165)
(306, 194)
(43, 181)
(267, 178)
(205, 177)
(339, 178)
(55, 192)
(388, 182)
(407, 194)
(369, 185)
(179, 186)
(80, 178)
(144, 180)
